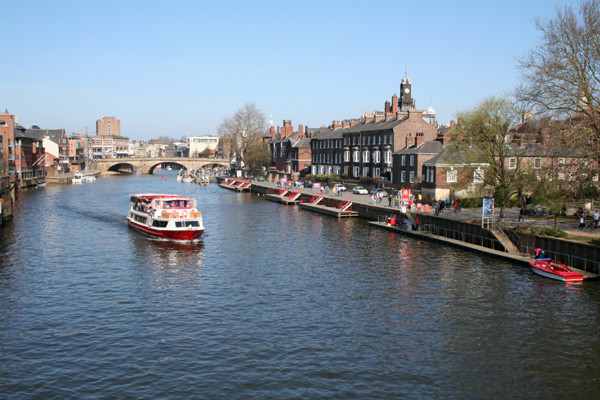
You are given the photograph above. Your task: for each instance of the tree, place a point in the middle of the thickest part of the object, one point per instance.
(246, 128)
(481, 137)
(258, 156)
(561, 76)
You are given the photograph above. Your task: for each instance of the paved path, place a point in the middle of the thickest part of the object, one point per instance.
(511, 215)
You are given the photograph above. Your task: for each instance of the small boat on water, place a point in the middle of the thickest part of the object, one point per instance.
(553, 269)
(188, 178)
(78, 178)
(165, 216)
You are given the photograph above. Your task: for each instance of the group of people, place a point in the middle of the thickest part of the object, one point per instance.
(583, 220)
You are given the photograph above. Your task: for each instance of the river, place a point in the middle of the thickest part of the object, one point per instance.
(273, 303)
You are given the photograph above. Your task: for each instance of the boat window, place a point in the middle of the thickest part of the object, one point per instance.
(160, 224)
(180, 224)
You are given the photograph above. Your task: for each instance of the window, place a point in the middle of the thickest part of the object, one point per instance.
(365, 156)
(561, 176)
(402, 176)
(412, 160)
(537, 163)
(512, 163)
(355, 172)
(376, 172)
(478, 176)
(346, 155)
(411, 177)
(376, 156)
(561, 163)
(387, 157)
(451, 176)
(365, 171)
(355, 155)
(403, 160)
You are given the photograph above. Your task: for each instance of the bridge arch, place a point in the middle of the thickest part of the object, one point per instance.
(147, 164)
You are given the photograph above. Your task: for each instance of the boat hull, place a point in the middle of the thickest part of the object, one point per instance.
(166, 234)
(555, 270)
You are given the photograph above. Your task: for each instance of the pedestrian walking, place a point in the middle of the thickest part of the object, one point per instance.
(436, 205)
(582, 221)
(521, 216)
(390, 201)
(596, 219)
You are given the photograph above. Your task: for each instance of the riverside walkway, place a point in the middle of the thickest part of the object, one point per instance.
(471, 216)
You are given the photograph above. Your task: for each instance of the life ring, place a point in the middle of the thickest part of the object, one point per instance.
(184, 214)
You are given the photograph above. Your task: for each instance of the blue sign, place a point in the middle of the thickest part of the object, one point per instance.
(488, 206)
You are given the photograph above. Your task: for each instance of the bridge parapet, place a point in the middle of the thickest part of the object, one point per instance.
(147, 164)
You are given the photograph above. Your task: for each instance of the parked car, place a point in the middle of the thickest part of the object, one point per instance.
(379, 192)
(339, 187)
(360, 190)
(307, 184)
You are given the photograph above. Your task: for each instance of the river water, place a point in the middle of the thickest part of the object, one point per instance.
(273, 303)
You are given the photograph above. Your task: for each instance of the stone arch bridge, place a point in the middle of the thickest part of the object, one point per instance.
(147, 164)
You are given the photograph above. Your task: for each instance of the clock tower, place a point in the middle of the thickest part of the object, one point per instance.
(405, 102)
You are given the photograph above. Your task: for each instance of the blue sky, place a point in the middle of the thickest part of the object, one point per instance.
(177, 68)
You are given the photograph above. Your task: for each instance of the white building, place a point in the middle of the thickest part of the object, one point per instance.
(199, 144)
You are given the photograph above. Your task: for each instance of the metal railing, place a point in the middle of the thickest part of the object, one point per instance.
(568, 259)
(464, 237)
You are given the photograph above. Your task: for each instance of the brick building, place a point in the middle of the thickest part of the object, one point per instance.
(108, 126)
(364, 147)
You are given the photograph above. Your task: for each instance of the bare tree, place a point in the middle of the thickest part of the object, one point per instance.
(246, 128)
(561, 76)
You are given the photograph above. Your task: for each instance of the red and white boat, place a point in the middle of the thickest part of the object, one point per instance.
(555, 270)
(165, 216)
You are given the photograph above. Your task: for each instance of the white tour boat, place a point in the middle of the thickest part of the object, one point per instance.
(165, 216)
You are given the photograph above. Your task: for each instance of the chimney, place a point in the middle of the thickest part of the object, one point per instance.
(336, 125)
(287, 128)
(345, 124)
(379, 116)
(300, 129)
(387, 107)
(394, 109)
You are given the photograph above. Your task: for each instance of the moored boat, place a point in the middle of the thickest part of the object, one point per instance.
(78, 178)
(165, 216)
(553, 269)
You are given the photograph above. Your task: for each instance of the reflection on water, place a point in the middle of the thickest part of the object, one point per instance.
(272, 302)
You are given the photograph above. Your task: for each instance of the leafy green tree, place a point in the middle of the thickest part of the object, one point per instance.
(258, 156)
(481, 138)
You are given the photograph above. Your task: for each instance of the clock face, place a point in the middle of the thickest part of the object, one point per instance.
(407, 90)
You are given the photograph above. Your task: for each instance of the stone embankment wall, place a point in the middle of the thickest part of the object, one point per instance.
(576, 254)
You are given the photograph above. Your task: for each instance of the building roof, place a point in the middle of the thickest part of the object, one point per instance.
(53, 134)
(428, 147)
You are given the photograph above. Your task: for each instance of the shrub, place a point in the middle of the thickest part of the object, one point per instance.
(553, 232)
(471, 202)
(595, 242)
(322, 178)
(346, 175)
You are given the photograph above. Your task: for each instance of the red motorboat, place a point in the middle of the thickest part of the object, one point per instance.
(165, 216)
(555, 270)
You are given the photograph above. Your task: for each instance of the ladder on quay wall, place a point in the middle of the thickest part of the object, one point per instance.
(499, 234)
